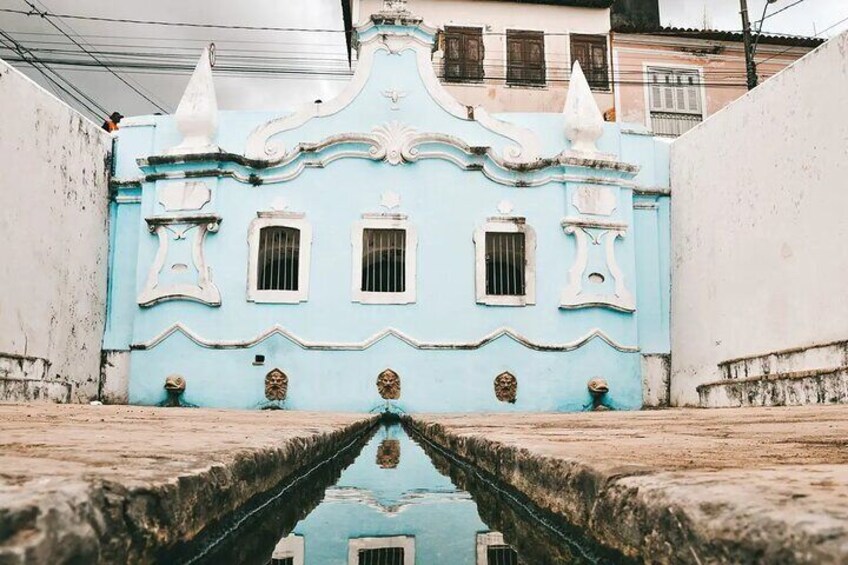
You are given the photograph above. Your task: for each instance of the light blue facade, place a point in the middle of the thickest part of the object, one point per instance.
(451, 174)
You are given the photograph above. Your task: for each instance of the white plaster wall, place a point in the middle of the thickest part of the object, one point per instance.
(54, 228)
(760, 222)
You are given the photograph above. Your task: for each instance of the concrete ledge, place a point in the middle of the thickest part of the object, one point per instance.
(811, 357)
(677, 486)
(29, 390)
(115, 484)
(822, 386)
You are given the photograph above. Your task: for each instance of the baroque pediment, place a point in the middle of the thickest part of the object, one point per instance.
(394, 83)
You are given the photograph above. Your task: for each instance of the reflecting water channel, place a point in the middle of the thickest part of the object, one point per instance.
(392, 500)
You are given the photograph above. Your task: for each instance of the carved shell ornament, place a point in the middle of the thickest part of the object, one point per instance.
(388, 385)
(393, 142)
(506, 387)
(276, 385)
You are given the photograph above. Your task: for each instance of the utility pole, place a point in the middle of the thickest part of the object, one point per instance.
(750, 65)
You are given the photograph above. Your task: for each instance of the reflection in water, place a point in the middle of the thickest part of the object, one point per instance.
(385, 508)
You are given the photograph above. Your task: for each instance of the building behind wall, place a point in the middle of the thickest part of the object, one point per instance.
(516, 56)
(389, 247)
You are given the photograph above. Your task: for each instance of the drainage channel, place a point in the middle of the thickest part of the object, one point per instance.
(392, 497)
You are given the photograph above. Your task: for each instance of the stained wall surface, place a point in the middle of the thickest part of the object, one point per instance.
(54, 224)
(758, 222)
(495, 18)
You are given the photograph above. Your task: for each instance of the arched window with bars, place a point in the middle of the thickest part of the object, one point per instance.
(280, 246)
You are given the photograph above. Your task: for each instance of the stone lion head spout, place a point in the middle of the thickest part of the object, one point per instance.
(388, 385)
(276, 385)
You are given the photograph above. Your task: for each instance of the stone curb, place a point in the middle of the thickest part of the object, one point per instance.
(642, 514)
(106, 522)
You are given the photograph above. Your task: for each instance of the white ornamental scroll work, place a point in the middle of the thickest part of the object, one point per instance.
(603, 235)
(173, 231)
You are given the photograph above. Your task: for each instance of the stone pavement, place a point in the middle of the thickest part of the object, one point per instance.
(118, 483)
(758, 485)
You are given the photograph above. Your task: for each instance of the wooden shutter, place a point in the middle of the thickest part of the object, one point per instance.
(525, 57)
(591, 51)
(463, 54)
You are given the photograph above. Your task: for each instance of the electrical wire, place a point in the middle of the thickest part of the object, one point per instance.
(46, 17)
(83, 100)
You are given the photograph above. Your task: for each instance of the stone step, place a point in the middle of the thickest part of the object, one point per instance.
(809, 358)
(28, 390)
(24, 378)
(817, 386)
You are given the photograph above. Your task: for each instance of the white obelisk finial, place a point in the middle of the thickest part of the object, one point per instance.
(584, 123)
(197, 114)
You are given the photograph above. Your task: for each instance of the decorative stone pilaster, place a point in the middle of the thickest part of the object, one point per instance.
(595, 278)
(179, 270)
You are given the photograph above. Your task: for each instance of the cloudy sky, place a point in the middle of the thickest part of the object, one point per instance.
(259, 69)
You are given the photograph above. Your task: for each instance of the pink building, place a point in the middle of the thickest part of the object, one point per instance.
(671, 79)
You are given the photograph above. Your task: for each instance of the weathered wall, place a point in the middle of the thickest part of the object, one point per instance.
(722, 72)
(54, 224)
(759, 235)
(495, 18)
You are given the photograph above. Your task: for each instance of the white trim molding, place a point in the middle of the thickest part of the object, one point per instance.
(506, 224)
(380, 336)
(283, 220)
(177, 227)
(355, 545)
(574, 295)
(384, 222)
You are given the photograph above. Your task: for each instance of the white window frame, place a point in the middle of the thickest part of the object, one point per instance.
(506, 224)
(646, 73)
(283, 220)
(405, 542)
(384, 222)
(290, 546)
(484, 540)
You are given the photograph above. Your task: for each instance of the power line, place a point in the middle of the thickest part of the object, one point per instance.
(46, 17)
(83, 39)
(85, 101)
(178, 24)
(843, 20)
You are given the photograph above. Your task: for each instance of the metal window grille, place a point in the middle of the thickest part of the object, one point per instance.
(673, 125)
(505, 264)
(501, 555)
(383, 260)
(381, 556)
(283, 561)
(279, 258)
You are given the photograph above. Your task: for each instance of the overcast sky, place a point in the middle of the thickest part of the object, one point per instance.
(165, 53)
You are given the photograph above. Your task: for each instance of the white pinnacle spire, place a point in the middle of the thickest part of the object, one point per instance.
(197, 114)
(584, 123)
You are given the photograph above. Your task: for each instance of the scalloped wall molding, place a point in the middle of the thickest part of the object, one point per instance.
(379, 336)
